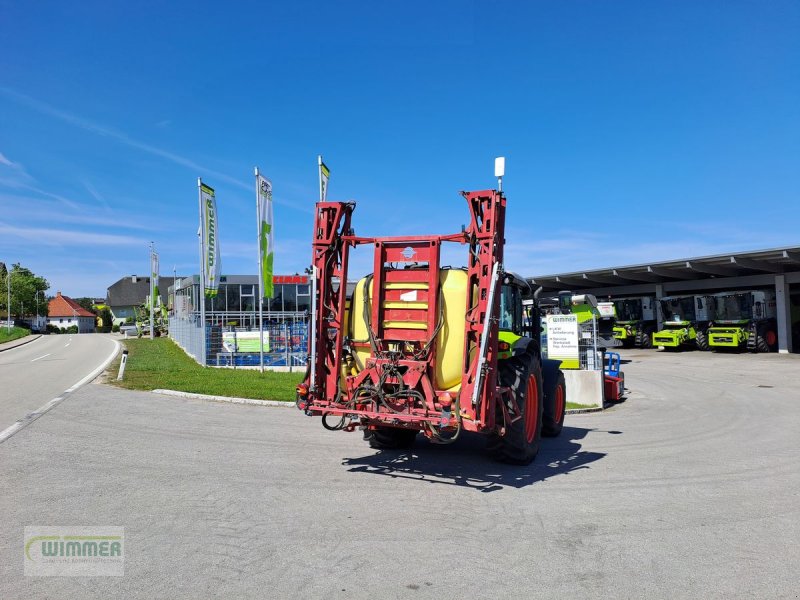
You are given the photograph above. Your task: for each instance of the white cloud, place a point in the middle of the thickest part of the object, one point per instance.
(62, 237)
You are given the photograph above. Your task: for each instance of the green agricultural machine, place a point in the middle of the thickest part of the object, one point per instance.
(685, 322)
(635, 321)
(744, 321)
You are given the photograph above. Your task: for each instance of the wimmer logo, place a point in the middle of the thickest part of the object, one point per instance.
(74, 551)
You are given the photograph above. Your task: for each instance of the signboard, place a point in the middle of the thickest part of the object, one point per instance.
(281, 279)
(606, 309)
(562, 340)
(244, 341)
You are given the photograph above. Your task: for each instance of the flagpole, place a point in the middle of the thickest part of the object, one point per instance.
(202, 295)
(152, 293)
(260, 280)
(319, 165)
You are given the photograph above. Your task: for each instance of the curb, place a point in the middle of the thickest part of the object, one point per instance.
(28, 339)
(223, 398)
(580, 411)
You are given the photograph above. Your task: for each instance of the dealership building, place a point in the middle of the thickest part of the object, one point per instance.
(776, 269)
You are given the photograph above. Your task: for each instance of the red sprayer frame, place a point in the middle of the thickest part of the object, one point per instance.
(395, 386)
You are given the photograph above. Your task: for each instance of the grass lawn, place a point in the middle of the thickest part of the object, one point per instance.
(14, 334)
(162, 364)
(575, 406)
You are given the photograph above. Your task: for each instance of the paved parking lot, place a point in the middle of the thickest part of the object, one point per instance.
(690, 488)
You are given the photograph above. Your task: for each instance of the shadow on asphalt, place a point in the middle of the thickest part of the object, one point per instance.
(466, 464)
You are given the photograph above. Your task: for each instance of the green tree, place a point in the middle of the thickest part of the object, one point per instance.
(87, 303)
(27, 289)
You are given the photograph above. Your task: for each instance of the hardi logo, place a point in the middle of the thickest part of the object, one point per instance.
(74, 551)
(408, 253)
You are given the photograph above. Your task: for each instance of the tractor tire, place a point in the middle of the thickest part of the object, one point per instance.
(390, 438)
(766, 339)
(555, 405)
(702, 340)
(645, 338)
(520, 444)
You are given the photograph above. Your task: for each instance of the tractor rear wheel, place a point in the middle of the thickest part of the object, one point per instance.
(520, 444)
(390, 438)
(555, 406)
(702, 339)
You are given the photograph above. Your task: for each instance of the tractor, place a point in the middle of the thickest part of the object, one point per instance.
(424, 348)
(686, 320)
(744, 320)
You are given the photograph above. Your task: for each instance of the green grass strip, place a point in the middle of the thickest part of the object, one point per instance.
(162, 364)
(14, 334)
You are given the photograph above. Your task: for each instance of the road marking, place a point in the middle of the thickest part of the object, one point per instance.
(41, 357)
(67, 344)
(31, 417)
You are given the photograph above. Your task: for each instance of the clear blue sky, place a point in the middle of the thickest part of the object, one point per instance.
(633, 131)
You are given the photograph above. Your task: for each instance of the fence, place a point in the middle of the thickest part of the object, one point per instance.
(285, 339)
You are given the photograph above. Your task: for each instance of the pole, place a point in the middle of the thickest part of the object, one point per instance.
(8, 304)
(287, 341)
(152, 292)
(202, 295)
(260, 280)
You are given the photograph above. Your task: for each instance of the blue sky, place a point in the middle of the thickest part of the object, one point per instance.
(633, 131)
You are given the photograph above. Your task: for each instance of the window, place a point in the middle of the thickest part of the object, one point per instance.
(303, 297)
(290, 297)
(510, 309)
(248, 298)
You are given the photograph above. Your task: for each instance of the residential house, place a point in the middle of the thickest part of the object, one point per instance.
(130, 292)
(63, 312)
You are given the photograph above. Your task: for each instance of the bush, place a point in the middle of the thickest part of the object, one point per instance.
(115, 328)
(53, 329)
(72, 329)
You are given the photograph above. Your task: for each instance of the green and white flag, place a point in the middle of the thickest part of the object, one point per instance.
(324, 174)
(266, 240)
(211, 262)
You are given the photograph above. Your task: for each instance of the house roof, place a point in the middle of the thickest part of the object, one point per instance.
(63, 306)
(134, 289)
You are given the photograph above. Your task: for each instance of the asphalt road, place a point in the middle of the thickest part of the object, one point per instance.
(33, 374)
(689, 489)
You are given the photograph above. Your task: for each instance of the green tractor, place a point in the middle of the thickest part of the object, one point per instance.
(744, 320)
(685, 322)
(635, 321)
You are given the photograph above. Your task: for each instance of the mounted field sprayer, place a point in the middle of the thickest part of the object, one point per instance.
(744, 320)
(426, 348)
(686, 320)
(635, 321)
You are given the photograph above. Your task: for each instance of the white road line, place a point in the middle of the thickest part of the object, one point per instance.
(31, 417)
(41, 357)
(67, 344)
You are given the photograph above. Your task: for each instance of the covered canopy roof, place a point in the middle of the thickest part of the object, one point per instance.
(777, 260)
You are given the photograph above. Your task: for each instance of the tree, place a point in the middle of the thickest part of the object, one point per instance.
(26, 290)
(87, 303)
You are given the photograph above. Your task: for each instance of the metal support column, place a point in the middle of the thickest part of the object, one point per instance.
(783, 310)
(659, 296)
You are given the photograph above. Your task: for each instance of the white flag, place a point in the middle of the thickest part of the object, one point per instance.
(211, 262)
(266, 240)
(324, 174)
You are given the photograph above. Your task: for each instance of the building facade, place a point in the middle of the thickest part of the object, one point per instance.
(63, 312)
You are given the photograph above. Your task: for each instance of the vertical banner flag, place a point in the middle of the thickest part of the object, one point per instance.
(324, 174)
(266, 239)
(211, 262)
